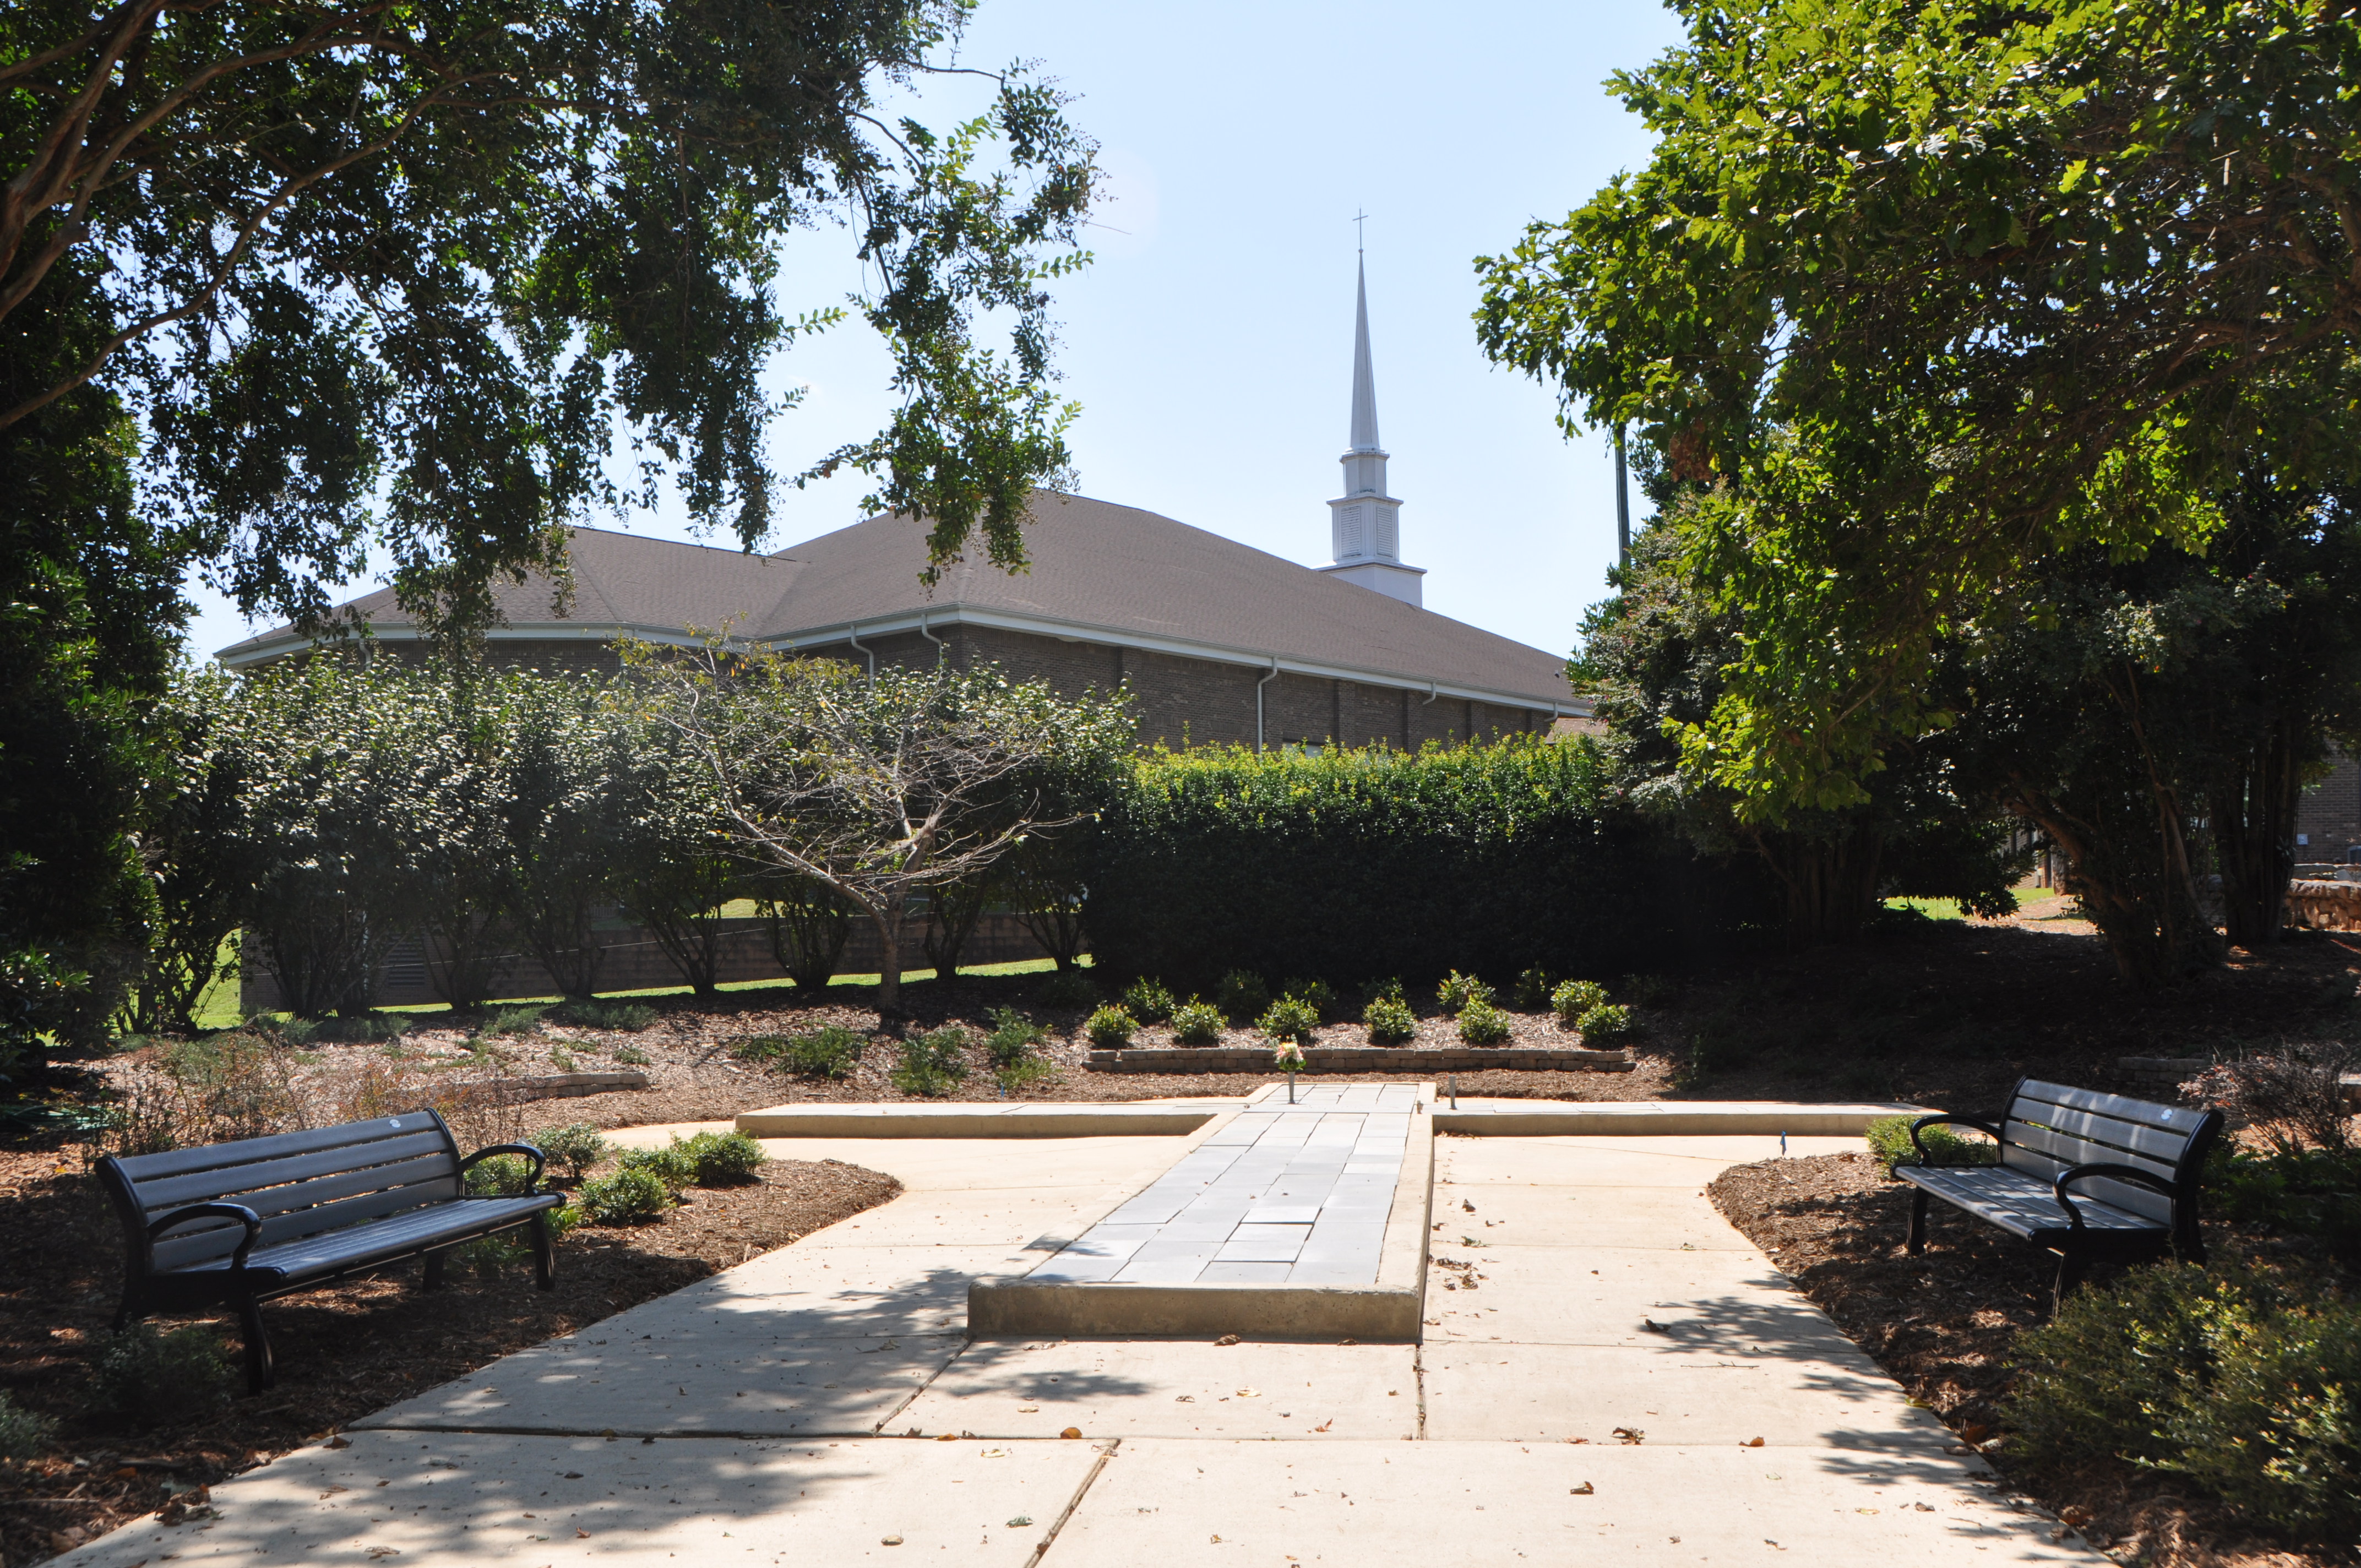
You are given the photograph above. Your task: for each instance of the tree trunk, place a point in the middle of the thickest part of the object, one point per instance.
(1832, 885)
(889, 918)
(2254, 839)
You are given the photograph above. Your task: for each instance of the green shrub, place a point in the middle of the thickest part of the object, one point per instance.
(1458, 989)
(1611, 1020)
(1024, 1071)
(559, 1057)
(1111, 1028)
(161, 1378)
(296, 1031)
(630, 1196)
(1650, 990)
(1148, 1000)
(830, 1051)
(364, 1029)
(628, 1017)
(1391, 988)
(1889, 1140)
(1481, 1023)
(720, 1159)
(1289, 1018)
(488, 1257)
(1389, 1020)
(23, 1434)
(563, 1222)
(2304, 1193)
(1242, 995)
(1013, 1037)
(933, 1063)
(666, 1165)
(1573, 998)
(502, 1175)
(1068, 991)
(513, 1021)
(1198, 1023)
(1533, 992)
(631, 1055)
(2242, 1380)
(1318, 992)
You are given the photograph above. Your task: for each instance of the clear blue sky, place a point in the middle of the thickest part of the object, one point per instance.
(1211, 344)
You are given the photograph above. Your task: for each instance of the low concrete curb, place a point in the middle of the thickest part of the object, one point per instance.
(1359, 1058)
(1659, 1118)
(1386, 1313)
(893, 1121)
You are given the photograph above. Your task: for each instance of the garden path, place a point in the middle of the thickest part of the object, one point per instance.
(733, 1421)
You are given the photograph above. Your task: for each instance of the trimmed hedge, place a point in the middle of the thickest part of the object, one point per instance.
(1354, 864)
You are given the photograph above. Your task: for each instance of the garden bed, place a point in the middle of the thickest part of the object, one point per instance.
(1390, 1060)
(1944, 1324)
(343, 1350)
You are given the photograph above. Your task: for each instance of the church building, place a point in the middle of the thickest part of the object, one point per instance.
(1216, 640)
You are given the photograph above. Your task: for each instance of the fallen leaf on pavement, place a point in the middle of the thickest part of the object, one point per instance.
(1324, 1426)
(1228, 1339)
(1752, 1443)
(1072, 1431)
(1631, 1435)
(1584, 1490)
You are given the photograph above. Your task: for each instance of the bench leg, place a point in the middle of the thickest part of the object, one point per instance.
(435, 1261)
(2071, 1267)
(1917, 1241)
(545, 1263)
(260, 1371)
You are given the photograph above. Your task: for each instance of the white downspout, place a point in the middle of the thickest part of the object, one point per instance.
(930, 637)
(1259, 685)
(853, 635)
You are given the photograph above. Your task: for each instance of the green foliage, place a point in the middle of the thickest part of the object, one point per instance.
(502, 1175)
(161, 1379)
(1533, 990)
(588, 1013)
(513, 1020)
(1573, 998)
(2241, 1380)
(1148, 1000)
(1024, 1072)
(2294, 1191)
(631, 1055)
(667, 1165)
(1611, 1020)
(1319, 994)
(1389, 1020)
(1068, 991)
(1650, 990)
(933, 1063)
(1013, 1037)
(632, 1195)
(1457, 990)
(1354, 864)
(831, 1051)
(488, 1257)
(1889, 1140)
(578, 1145)
(1289, 1018)
(1481, 1023)
(23, 1433)
(1111, 1028)
(1198, 1023)
(1390, 988)
(720, 1159)
(1242, 995)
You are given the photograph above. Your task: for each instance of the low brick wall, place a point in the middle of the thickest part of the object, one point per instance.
(1359, 1058)
(2324, 906)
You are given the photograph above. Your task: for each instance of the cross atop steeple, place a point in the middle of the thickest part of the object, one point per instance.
(1365, 522)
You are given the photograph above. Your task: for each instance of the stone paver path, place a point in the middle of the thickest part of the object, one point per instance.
(1285, 1194)
(819, 1405)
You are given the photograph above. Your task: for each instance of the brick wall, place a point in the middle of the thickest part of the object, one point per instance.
(2330, 813)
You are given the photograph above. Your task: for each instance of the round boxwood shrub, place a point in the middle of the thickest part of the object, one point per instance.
(1481, 1023)
(1289, 1018)
(720, 1159)
(1148, 1000)
(1533, 990)
(632, 1196)
(1574, 998)
(578, 1145)
(1112, 1027)
(1243, 995)
(23, 1433)
(157, 1379)
(1319, 992)
(1458, 989)
(1391, 1021)
(1198, 1023)
(1611, 1022)
(668, 1165)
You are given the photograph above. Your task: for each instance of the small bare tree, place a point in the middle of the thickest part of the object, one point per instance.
(882, 787)
(2297, 1096)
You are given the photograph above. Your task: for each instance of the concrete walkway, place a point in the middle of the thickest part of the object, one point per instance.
(758, 1417)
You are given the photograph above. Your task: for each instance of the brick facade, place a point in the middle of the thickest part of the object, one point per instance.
(2330, 814)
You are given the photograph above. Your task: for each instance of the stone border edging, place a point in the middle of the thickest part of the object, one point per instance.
(1386, 1313)
(1663, 1118)
(1359, 1058)
(889, 1120)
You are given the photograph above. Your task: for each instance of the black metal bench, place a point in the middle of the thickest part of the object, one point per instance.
(2090, 1176)
(237, 1224)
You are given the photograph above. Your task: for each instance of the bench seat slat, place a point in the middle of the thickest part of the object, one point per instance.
(238, 1180)
(356, 1246)
(270, 1202)
(182, 1248)
(2018, 1203)
(2045, 1169)
(2072, 1150)
(2118, 1137)
(2176, 1118)
(148, 1167)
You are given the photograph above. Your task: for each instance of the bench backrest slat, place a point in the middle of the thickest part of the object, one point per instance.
(299, 1183)
(2050, 1127)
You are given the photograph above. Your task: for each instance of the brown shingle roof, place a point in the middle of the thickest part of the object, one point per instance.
(1100, 571)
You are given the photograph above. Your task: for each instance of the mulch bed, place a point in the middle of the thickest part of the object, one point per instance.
(1942, 1324)
(342, 1350)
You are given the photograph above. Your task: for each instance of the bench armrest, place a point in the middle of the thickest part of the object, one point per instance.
(2132, 1174)
(1939, 1119)
(532, 1182)
(238, 1212)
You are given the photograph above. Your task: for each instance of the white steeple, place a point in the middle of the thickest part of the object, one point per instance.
(1365, 523)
